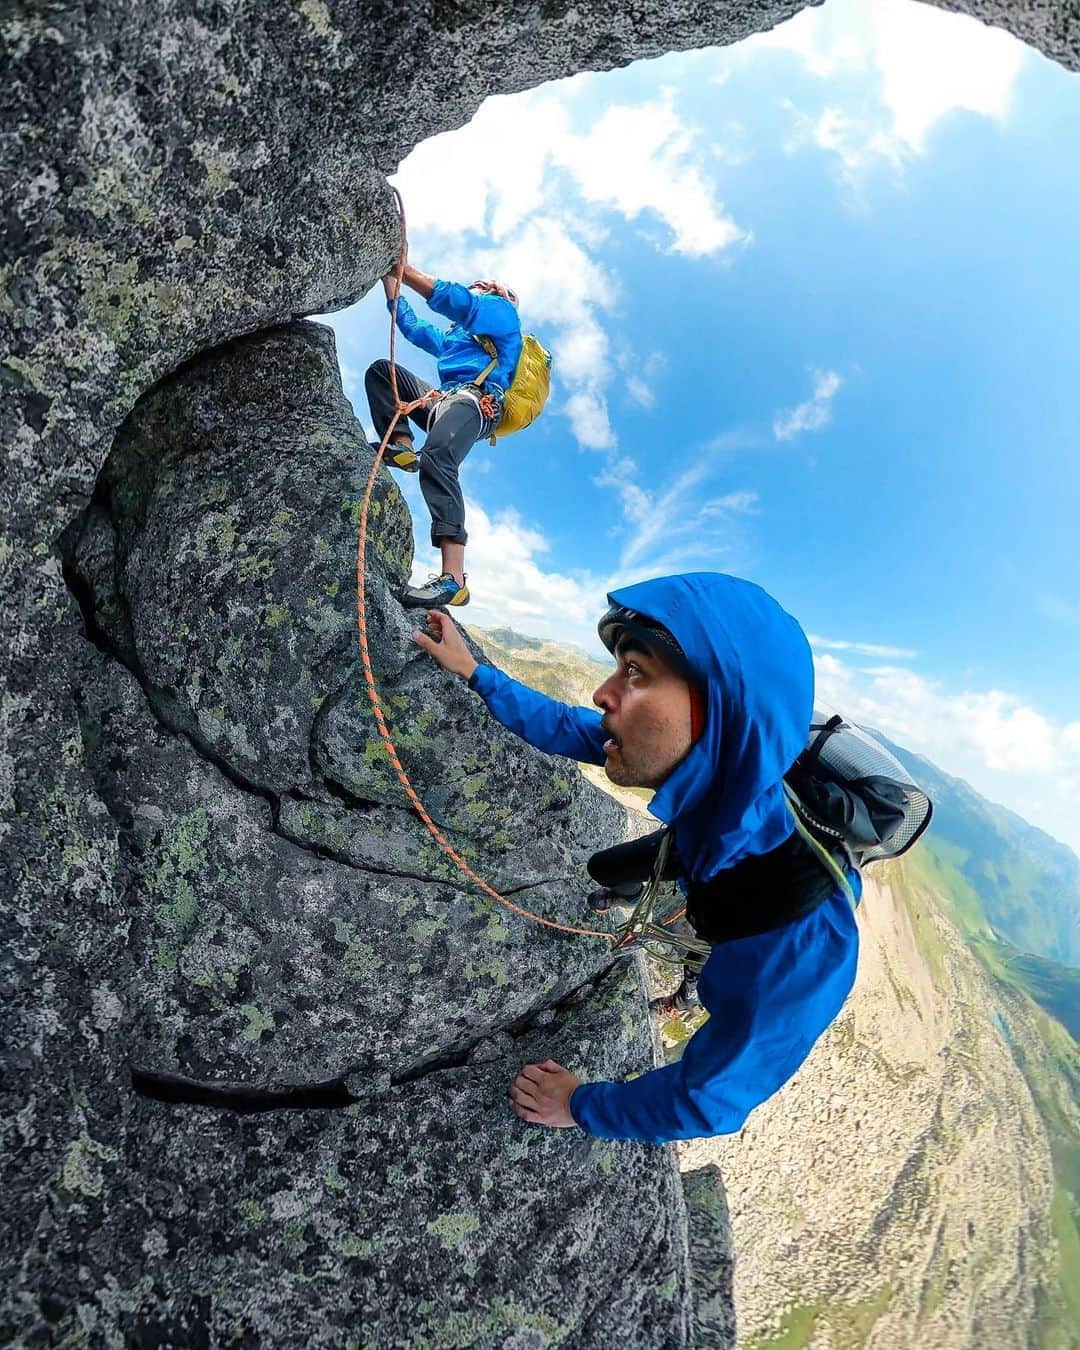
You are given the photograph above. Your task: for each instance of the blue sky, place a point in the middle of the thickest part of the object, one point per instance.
(814, 307)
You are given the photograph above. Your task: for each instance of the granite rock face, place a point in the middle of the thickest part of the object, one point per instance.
(215, 565)
(295, 944)
(177, 176)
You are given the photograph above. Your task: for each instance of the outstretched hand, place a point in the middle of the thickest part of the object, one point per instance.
(444, 642)
(540, 1094)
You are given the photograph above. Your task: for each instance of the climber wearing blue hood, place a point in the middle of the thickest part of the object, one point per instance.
(710, 704)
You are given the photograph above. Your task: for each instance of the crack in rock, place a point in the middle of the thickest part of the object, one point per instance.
(356, 1085)
(170, 715)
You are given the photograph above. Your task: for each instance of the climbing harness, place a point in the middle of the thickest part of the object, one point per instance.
(660, 941)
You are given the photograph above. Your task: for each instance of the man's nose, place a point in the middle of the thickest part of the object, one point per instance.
(604, 695)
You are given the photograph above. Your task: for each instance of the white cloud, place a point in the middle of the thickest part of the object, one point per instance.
(491, 198)
(677, 527)
(933, 62)
(854, 144)
(926, 63)
(350, 377)
(509, 584)
(1059, 610)
(588, 416)
(877, 649)
(487, 175)
(640, 374)
(639, 160)
(814, 413)
(500, 169)
(733, 503)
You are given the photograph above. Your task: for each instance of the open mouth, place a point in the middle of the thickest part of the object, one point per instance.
(612, 743)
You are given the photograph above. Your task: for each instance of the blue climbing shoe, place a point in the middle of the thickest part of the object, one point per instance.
(442, 590)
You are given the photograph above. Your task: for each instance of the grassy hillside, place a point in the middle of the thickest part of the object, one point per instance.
(557, 669)
(1039, 1015)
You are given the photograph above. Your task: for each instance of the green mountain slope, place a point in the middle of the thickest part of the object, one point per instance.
(1037, 1011)
(1021, 883)
(558, 669)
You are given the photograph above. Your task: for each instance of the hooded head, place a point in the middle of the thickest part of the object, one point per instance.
(747, 665)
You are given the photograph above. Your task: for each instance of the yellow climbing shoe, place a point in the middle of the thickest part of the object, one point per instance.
(441, 590)
(402, 456)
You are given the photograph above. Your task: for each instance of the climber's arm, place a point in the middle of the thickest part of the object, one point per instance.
(423, 335)
(492, 315)
(416, 280)
(769, 998)
(554, 727)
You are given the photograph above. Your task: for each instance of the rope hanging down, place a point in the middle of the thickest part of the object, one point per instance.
(402, 410)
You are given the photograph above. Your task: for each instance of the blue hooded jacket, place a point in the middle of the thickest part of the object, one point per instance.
(460, 357)
(769, 996)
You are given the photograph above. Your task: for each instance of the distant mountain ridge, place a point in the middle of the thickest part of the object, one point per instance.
(559, 669)
(1027, 882)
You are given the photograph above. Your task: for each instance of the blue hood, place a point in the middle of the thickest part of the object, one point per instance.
(725, 801)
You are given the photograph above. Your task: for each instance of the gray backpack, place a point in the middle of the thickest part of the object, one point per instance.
(847, 787)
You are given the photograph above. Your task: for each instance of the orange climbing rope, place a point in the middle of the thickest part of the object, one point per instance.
(403, 410)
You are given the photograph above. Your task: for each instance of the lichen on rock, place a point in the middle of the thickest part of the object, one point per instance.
(293, 925)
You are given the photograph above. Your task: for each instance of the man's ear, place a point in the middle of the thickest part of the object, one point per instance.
(698, 710)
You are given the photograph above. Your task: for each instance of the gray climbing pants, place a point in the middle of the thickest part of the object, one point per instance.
(454, 425)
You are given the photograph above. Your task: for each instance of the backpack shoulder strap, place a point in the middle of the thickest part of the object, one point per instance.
(489, 347)
(486, 371)
(824, 856)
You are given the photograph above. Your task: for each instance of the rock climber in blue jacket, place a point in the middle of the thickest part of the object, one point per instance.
(467, 412)
(710, 703)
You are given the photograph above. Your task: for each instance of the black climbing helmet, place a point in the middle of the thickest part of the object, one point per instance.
(619, 620)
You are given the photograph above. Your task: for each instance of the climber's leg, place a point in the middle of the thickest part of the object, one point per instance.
(624, 863)
(380, 396)
(622, 871)
(453, 434)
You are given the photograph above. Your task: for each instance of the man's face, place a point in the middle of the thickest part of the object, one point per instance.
(646, 707)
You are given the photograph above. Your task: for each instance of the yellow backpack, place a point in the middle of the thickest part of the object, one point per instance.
(529, 389)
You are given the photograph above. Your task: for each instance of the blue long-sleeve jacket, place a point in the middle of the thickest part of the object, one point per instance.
(769, 996)
(460, 357)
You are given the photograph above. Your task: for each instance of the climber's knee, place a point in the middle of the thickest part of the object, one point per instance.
(378, 372)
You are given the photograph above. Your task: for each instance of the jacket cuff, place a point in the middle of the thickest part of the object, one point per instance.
(483, 680)
(579, 1104)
